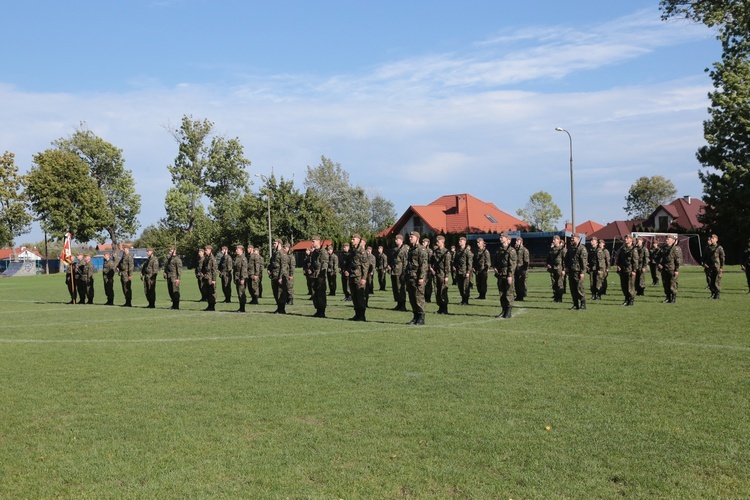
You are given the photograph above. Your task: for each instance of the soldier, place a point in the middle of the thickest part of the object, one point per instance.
(417, 264)
(344, 268)
(333, 268)
(522, 269)
(745, 266)
(428, 281)
(397, 268)
(627, 265)
(291, 265)
(670, 260)
(239, 267)
(372, 264)
(556, 268)
(714, 262)
(225, 274)
(108, 273)
(81, 278)
(357, 275)
(149, 271)
(382, 267)
(254, 273)
(606, 258)
(173, 275)
(462, 263)
(592, 267)
(125, 268)
(209, 272)
(259, 258)
(576, 258)
(198, 276)
(277, 269)
(440, 268)
(653, 262)
(306, 270)
(452, 255)
(481, 264)
(504, 264)
(640, 274)
(318, 275)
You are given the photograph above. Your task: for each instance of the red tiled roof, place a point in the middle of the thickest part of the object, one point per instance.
(615, 229)
(588, 227)
(684, 211)
(6, 254)
(303, 245)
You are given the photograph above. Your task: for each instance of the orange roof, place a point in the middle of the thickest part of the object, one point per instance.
(303, 245)
(6, 254)
(459, 213)
(588, 227)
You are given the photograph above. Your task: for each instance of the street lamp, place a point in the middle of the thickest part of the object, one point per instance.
(572, 197)
(268, 197)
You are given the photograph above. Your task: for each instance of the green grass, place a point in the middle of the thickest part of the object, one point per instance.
(644, 401)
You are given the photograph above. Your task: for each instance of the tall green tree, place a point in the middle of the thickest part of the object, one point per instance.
(541, 212)
(382, 214)
(107, 168)
(15, 219)
(726, 156)
(646, 194)
(64, 197)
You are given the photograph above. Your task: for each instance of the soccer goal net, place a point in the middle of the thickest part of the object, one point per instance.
(688, 243)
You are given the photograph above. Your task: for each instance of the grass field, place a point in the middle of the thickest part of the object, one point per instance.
(644, 401)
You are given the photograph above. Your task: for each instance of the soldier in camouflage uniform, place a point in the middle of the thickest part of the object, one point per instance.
(592, 267)
(440, 268)
(556, 267)
(291, 265)
(344, 268)
(210, 273)
(259, 257)
(357, 275)
(428, 286)
(382, 268)
(397, 267)
(333, 269)
(306, 270)
(149, 272)
(372, 264)
(81, 278)
(670, 260)
(504, 264)
(108, 273)
(318, 276)
(640, 274)
(607, 260)
(653, 262)
(125, 268)
(277, 271)
(239, 266)
(522, 269)
(254, 273)
(714, 262)
(225, 274)
(576, 258)
(462, 264)
(417, 265)
(481, 263)
(198, 276)
(627, 265)
(173, 275)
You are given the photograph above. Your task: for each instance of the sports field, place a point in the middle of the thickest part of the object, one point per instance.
(113, 402)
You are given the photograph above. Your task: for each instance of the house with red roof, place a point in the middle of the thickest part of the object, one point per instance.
(455, 213)
(589, 227)
(682, 212)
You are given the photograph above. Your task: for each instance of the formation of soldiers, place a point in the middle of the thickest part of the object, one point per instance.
(416, 269)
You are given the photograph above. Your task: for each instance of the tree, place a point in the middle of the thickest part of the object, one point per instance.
(382, 214)
(726, 156)
(646, 194)
(107, 168)
(64, 197)
(541, 212)
(15, 220)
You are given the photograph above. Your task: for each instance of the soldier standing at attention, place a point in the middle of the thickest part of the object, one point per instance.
(417, 264)
(108, 273)
(522, 269)
(333, 268)
(715, 265)
(173, 275)
(291, 265)
(575, 269)
(198, 275)
(607, 259)
(627, 265)
(504, 265)
(481, 265)
(277, 269)
(125, 268)
(428, 280)
(382, 268)
(209, 273)
(653, 262)
(555, 268)
(670, 260)
(254, 273)
(149, 271)
(745, 266)
(344, 268)
(357, 274)
(318, 275)
(462, 264)
(372, 263)
(225, 272)
(306, 269)
(240, 275)
(440, 267)
(640, 273)
(397, 267)
(259, 257)
(452, 255)
(90, 271)
(592, 266)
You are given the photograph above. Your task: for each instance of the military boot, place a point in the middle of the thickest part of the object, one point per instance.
(420, 319)
(413, 320)
(508, 312)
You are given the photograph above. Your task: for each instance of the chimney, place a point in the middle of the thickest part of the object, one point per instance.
(460, 203)
(687, 199)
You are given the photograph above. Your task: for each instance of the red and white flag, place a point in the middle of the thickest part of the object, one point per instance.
(66, 256)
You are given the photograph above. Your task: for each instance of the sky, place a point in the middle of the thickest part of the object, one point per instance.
(415, 99)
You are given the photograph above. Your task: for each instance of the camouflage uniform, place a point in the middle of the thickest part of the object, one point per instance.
(239, 267)
(108, 273)
(417, 265)
(440, 266)
(209, 273)
(522, 271)
(173, 275)
(481, 265)
(576, 257)
(398, 267)
(319, 275)
(149, 272)
(556, 270)
(504, 264)
(358, 266)
(670, 260)
(291, 266)
(278, 267)
(715, 265)
(225, 273)
(462, 264)
(382, 268)
(640, 274)
(627, 265)
(125, 268)
(333, 268)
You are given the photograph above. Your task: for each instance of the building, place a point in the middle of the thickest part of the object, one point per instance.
(682, 213)
(588, 227)
(455, 213)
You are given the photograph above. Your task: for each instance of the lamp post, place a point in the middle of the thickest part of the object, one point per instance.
(268, 197)
(572, 197)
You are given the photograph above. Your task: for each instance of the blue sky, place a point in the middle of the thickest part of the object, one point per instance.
(415, 99)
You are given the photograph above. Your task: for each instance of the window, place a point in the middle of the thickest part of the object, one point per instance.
(490, 218)
(663, 223)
